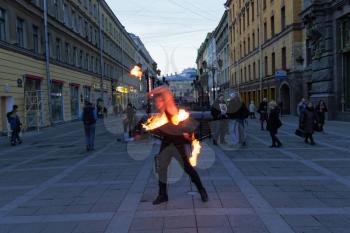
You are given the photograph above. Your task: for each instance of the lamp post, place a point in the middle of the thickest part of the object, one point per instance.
(137, 72)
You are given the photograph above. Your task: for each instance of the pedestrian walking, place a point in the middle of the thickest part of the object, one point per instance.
(301, 107)
(176, 137)
(252, 110)
(307, 122)
(15, 125)
(129, 122)
(89, 118)
(274, 123)
(237, 113)
(219, 113)
(263, 111)
(321, 110)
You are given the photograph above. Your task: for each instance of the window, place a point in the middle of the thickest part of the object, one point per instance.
(244, 48)
(250, 73)
(248, 18)
(266, 66)
(65, 14)
(74, 21)
(272, 26)
(284, 58)
(254, 71)
(91, 68)
(2, 24)
(80, 25)
(95, 11)
(97, 66)
(273, 63)
(87, 61)
(58, 49)
(55, 6)
(20, 32)
(264, 4)
(265, 32)
(74, 57)
(253, 11)
(253, 41)
(248, 44)
(67, 53)
(35, 39)
(80, 62)
(283, 18)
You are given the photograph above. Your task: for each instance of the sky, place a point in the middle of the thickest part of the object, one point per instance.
(172, 30)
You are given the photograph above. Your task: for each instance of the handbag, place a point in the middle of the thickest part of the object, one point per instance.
(300, 133)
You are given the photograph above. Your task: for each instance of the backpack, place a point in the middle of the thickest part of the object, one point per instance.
(89, 116)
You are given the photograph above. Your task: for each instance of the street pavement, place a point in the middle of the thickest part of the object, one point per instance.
(50, 184)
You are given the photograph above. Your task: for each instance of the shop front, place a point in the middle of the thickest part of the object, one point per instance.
(57, 101)
(33, 102)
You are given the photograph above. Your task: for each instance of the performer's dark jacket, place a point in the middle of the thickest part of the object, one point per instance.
(171, 134)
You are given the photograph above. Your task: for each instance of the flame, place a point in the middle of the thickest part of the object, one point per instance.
(181, 116)
(196, 149)
(159, 120)
(155, 122)
(136, 71)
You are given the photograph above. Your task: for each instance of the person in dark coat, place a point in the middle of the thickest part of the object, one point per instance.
(274, 123)
(15, 124)
(175, 137)
(308, 121)
(321, 110)
(89, 118)
(263, 111)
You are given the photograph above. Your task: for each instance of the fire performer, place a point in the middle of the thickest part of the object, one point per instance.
(176, 130)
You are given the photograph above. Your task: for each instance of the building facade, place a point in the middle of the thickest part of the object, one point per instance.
(89, 55)
(327, 37)
(267, 50)
(221, 35)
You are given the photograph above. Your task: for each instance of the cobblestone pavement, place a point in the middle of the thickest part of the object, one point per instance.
(50, 184)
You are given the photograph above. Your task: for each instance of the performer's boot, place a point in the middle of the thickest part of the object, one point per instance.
(162, 196)
(204, 195)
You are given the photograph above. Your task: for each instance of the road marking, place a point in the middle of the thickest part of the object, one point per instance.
(272, 220)
(122, 219)
(6, 209)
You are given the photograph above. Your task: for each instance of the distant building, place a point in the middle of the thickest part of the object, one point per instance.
(182, 84)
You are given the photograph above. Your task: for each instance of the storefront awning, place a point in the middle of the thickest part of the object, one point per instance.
(33, 77)
(75, 84)
(57, 81)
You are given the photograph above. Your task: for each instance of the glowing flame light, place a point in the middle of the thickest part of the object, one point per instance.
(159, 120)
(136, 72)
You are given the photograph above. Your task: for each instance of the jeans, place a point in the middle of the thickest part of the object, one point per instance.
(237, 132)
(164, 159)
(275, 140)
(15, 136)
(90, 135)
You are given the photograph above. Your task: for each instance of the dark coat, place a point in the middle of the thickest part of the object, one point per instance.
(308, 120)
(14, 121)
(263, 108)
(274, 122)
(241, 114)
(321, 113)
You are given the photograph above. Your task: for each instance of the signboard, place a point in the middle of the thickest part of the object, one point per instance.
(281, 74)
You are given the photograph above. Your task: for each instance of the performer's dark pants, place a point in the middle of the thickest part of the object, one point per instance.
(164, 159)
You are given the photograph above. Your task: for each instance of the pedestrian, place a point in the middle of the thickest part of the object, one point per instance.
(274, 123)
(129, 122)
(321, 110)
(308, 120)
(89, 118)
(252, 110)
(15, 125)
(301, 107)
(176, 137)
(237, 113)
(219, 126)
(263, 111)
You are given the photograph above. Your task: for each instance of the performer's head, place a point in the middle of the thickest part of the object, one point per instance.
(164, 101)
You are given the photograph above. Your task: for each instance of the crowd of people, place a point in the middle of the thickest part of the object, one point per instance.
(231, 118)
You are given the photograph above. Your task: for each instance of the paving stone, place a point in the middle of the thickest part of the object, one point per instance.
(180, 222)
(212, 221)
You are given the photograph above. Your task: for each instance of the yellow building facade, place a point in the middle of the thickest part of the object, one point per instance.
(267, 49)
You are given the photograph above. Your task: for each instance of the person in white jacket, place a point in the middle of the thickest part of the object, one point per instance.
(252, 110)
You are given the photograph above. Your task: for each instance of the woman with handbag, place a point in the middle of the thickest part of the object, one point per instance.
(308, 121)
(274, 123)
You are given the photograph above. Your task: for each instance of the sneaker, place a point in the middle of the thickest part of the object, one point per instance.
(204, 195)
(160, 199)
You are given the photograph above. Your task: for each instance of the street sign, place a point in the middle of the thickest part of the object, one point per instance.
(281, 74)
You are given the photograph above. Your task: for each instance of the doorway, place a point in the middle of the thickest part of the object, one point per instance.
(6, 104)
(285, 99)
(347, 81)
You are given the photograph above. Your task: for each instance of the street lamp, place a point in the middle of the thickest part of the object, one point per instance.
(137, 72)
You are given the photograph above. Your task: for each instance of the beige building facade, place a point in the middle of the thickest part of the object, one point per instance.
(90, 56)
(267, 50)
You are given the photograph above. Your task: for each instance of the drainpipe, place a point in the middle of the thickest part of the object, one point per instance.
(47, 58)
(260, 51)
(101, 47)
